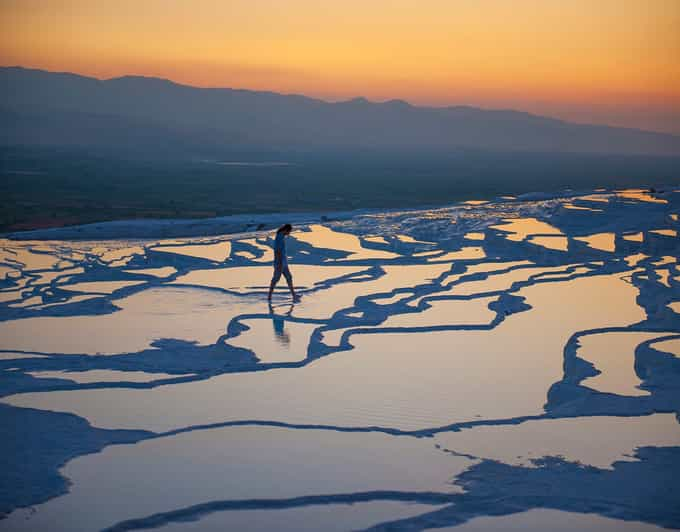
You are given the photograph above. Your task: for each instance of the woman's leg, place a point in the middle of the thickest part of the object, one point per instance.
(289, 280)
(275, 279)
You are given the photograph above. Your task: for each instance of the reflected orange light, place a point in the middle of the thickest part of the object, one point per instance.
(575, 59)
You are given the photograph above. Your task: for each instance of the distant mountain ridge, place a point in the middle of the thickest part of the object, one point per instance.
(135, 113)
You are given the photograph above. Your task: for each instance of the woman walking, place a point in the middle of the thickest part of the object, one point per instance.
(281, 261)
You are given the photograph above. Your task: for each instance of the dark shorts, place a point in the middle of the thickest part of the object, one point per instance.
(282, 270)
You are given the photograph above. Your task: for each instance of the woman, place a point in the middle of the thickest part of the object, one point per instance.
(281, 261)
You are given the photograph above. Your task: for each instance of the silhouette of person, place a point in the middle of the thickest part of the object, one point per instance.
(279, 323)
(281, 261)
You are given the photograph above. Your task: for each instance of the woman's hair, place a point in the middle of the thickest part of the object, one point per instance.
(284, 228)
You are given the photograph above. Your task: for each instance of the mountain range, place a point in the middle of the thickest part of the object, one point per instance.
(134, 114)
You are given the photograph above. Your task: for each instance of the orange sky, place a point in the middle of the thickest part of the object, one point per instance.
(611, 61)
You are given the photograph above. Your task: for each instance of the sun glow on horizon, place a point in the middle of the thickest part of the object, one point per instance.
(612, 61)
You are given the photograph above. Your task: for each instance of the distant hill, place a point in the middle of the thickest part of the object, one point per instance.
(150, 115)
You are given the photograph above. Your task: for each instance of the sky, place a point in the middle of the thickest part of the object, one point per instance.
(605, 61)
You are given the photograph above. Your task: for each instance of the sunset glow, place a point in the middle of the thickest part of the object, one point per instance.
(611, 61)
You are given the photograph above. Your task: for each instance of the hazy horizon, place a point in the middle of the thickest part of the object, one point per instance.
(354, 97)
(614, 63)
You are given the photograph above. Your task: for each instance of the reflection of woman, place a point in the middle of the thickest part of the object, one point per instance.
(281, 261)
(279, 323)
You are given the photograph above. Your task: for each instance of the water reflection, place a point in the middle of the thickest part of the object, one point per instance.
(559, 243)
(636, 237)
(218, 252)
(601, 241)
(323, 237)
(487, 379)
(519, 229)
(639, 194)
(573, 207)
(281, 335)
(665, 232)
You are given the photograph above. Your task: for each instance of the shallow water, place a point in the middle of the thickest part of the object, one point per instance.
(326, 517)
(323, 304)
(215, 252)
(602, 241)
(522, 353)
(639, 194)
(609, 439)
(189, 314)
(499, 281)
(669, 346)
(237, 463)
(101, 287)
(443, 312)
(467, 253)
(614, 355)
(553, 520)
(571, 206)
(519, 229)
(559, 243)
(665, 232)
(165, 271)
(441, 368)
(102, 376)
(255, 279)
(274, 339)
(324, 237)
(265, 251)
